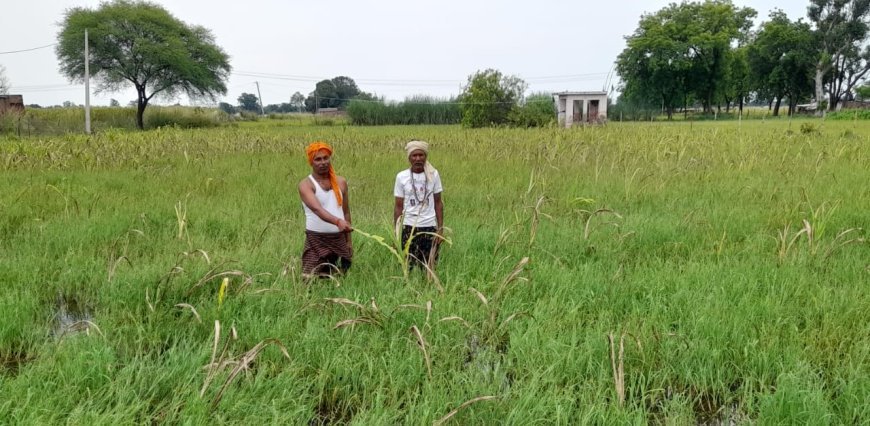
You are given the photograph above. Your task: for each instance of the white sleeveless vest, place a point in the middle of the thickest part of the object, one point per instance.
(329, 203)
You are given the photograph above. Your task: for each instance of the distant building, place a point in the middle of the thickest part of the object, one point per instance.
(575, 108)
(11, 103)
(854, 104)
(806, 108)
(331, 112)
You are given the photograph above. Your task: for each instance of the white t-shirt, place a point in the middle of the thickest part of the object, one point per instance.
(419, 195)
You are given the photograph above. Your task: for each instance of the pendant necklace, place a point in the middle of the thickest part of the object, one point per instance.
(424, 200)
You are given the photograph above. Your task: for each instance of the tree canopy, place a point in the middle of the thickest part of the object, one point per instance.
(489, 97)
(782, 58)
(842, 29)
(333, 93)
(249, 102)
(682, 50)
(140, 43)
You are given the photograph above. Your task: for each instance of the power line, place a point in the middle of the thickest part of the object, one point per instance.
(28, 50)
(406, 102)
(552, 79)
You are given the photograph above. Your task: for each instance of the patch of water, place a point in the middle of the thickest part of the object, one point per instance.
(728, 415)
(71, 317)
(488, 361)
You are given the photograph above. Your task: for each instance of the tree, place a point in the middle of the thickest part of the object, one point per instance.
(863, 92)
(298, 101)
(283, 107)
(227, 108)
(249, 102)
(738, 78)
(489, 97)
(654, 68)
(141, 43)
(5, 86)
(334, 93)
(114, 103)
(847, 71)
(682, 50)
(782, 58)
(841, 27)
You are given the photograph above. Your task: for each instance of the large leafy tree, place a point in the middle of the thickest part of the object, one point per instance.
(782, 58)
(140, 43)
(654, 67)
(249, 102)
(333, 93)
(738, 82)
(842, 29)
(298, 101)
(489, 97)
(682, 50)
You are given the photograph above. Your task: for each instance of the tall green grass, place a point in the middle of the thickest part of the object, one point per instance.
(414, 110)
(677, 273)
(59, 121)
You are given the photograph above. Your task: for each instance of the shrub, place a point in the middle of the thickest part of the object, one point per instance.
(538, 110)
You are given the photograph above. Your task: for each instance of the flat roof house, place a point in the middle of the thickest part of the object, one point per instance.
(574, 108)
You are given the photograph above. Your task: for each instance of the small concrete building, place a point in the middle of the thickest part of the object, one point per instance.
(11, 103)
(330, 112)
(575, 108)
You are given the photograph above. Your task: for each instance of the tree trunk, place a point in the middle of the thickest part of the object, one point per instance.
(820, 74)
(776, 106)
(835, 100)
(141, 103)
(741, 106)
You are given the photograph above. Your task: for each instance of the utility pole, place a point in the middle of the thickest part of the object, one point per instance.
(87, 88)
(262, 111)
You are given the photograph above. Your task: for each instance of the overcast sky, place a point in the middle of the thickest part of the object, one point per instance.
(393, 48)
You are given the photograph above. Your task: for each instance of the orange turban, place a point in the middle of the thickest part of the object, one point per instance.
(311, 151)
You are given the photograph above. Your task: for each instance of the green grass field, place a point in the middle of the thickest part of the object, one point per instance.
(678, 273)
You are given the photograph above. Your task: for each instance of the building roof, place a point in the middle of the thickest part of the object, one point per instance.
(585, 93)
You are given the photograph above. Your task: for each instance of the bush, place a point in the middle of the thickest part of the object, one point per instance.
(539, 110)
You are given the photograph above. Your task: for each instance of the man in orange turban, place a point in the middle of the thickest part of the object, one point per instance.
(324, 197)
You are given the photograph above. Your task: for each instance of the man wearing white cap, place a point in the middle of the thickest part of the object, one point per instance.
(418, 203)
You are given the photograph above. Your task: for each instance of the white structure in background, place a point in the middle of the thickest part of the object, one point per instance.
(580, 107)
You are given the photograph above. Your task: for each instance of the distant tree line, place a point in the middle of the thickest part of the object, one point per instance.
(707, 54)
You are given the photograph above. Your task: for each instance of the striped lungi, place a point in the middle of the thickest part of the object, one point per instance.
(325, 253)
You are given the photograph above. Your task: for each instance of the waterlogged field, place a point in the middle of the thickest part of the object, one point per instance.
(711, 273)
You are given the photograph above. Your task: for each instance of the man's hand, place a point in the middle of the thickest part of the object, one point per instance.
(343, 226)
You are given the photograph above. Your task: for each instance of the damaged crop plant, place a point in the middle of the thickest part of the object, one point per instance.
(623, 274)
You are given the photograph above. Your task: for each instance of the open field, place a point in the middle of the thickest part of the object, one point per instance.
(678, 273)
